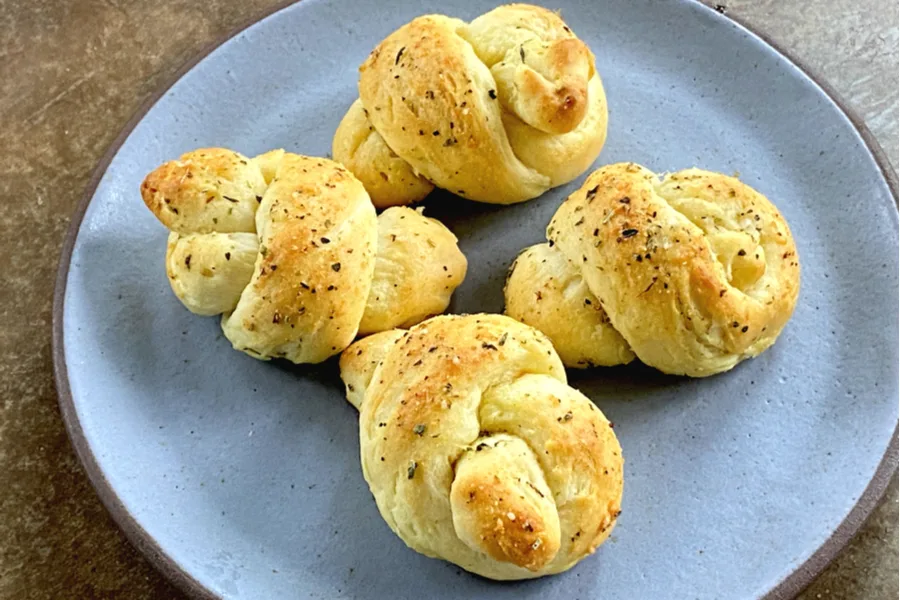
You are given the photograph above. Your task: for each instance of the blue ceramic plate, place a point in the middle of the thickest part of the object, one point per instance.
(241, 479)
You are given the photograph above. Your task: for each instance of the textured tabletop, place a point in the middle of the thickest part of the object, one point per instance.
(73, 73)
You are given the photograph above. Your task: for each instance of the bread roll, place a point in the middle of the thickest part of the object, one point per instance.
(476, 449)
(497, 110)
(285, 247)
(696, 270)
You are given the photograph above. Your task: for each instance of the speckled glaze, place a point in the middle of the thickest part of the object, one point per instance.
(245, 475)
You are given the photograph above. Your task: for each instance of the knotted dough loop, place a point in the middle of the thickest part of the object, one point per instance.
(288, 248)
(696, 270)
(476, 449)
(497, 110)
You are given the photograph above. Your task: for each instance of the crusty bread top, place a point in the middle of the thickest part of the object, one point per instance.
(541, 69)
(206, 190)
(435, 104)
(696, 270)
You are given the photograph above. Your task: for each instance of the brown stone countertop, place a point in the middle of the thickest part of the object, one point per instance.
(73, 72)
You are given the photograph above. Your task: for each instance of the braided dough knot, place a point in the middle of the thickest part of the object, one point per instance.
(287, 248)
(477, 450)
(693, 272)
(497, 110)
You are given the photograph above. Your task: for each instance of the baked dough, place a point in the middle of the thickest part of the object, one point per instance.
(288, 248)
(497, 110)
(390, 180)
(696, 270)
(417, 267)
(476, 449)
(546, 292)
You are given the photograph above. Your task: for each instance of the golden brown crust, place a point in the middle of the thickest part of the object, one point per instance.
(542, 70)
(576, 448)
(697, 271)
(443, 95)
(554, 101)
(457, 400)
(544, 290)
(210, 189)
(511, 518)
(317, 233)
(284, 247)
(562, 156)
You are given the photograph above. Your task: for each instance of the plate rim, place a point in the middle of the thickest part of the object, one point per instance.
(787, 588)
